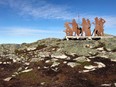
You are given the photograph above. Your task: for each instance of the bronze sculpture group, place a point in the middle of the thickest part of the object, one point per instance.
(85, 29)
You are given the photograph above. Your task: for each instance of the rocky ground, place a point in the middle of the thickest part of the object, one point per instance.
(54, 62)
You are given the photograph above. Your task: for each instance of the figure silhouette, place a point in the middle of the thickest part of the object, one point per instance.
(68, 30)
(97, 27)
(102, 21)
(84, 27)
(88, 28)
(75, 29)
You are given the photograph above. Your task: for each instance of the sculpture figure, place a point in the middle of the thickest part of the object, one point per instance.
(88, 28)
(68, 30)
(97, 27)
(102, 21)
(84, 27)
(75, 27)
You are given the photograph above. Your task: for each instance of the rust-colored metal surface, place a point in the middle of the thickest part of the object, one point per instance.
(68, 31)
(99, 24)
(97, 27)
(75, 27)
(88, 28)
(72, 28)
(102, 21)
(84, 27)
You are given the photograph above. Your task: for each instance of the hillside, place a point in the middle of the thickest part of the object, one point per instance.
(54, 62)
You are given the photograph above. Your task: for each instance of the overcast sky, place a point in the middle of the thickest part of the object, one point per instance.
(31, 20)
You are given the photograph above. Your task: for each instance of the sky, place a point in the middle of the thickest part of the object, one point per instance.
(31, 20)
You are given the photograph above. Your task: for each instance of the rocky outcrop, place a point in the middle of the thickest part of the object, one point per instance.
(58, 63)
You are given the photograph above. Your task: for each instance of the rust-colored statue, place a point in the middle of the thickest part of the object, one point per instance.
(75, 29)
(99, 31)
(97, 27)
(84, 27)
(88, 28)
(68, 30)
(101, 22)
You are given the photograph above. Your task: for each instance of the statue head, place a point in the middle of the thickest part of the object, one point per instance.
(73, 20)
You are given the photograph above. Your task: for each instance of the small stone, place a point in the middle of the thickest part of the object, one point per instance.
(42, 83)
(90, 52)
(60, 57)
(106, 85)
(8, 62)
(100, 64)
(55, 64)
(115, 84)
(53, 49)
(29, 49)
(13, 75)
(90, 38)
(7, 79)
(38, 67)
(87, 45)
(14, 60)
(19, 69)
(100, 49)
(84, 71)
(113, 60)
(90, 67)
(54, 60)
(73, 54)
(59, 49)
(4, 62)
(109, 50)
(91, 47)
(27, 64)
(46, 67)
(72, 64)
(65, 62)
(0, 62)
(92, 57)
(82, 59)
(47, 61)
(104, 56)
(26, 67)
(28, 70)
(55, 69)
(103, 52)
(16, 73)
(68, 58)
